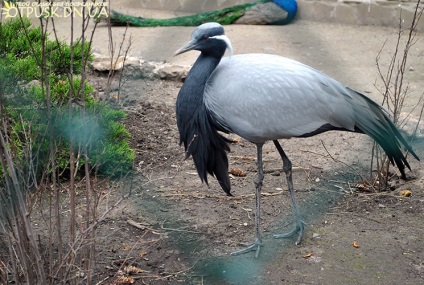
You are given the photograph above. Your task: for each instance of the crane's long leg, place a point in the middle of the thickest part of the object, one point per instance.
(300, 225)
(256, 245)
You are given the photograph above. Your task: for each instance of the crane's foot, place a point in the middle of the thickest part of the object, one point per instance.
(299, 228)
(254, 246)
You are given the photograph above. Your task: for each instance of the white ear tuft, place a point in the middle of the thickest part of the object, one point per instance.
(227, 42)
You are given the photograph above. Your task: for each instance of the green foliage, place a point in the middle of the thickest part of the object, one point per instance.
(60, 91)
(113, 155)
(98, 128)
(60, 112)
(22, 48)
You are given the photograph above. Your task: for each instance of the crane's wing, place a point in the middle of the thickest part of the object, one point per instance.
(265, 97)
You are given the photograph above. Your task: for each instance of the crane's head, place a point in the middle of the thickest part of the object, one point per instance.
(208, 38)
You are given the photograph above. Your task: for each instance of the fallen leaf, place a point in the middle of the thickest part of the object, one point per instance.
(405, 193)
(362, 187)
(238, 172)
(132, 270)
(355, 244)
(122, 280)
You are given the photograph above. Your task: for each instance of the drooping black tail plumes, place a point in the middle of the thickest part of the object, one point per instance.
(372, 120)
(207, 147)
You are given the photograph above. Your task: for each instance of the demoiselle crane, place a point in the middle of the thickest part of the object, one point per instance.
(263, 97)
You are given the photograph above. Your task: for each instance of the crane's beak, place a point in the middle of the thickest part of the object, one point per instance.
(189, 46)
(193, 44)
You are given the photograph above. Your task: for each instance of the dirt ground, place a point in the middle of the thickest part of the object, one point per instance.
(180, 231)
(186, 230)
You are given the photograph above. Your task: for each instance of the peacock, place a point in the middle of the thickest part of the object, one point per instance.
(263, 12)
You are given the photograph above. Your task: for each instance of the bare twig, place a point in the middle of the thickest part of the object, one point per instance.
(395, 91)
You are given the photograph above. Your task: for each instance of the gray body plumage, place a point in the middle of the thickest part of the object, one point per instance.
(291, 101)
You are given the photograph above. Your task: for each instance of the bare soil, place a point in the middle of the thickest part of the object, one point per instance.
(186, 230)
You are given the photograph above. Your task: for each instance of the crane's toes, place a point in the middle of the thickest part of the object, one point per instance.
(300, 228)
(254, 246)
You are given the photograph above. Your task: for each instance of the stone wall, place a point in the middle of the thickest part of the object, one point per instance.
(381, 13)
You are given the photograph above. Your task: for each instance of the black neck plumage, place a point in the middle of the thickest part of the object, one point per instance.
(198, 135)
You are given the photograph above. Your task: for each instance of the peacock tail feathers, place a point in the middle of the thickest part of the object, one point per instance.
(224, 16)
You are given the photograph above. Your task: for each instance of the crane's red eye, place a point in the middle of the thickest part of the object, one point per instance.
(205, 37)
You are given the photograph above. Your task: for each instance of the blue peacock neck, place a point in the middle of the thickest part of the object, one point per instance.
(290, 6)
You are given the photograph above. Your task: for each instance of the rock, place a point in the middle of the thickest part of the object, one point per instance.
(174, 72)
(32, 83)
(105, 63)
(134, 67)
(263, 14)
